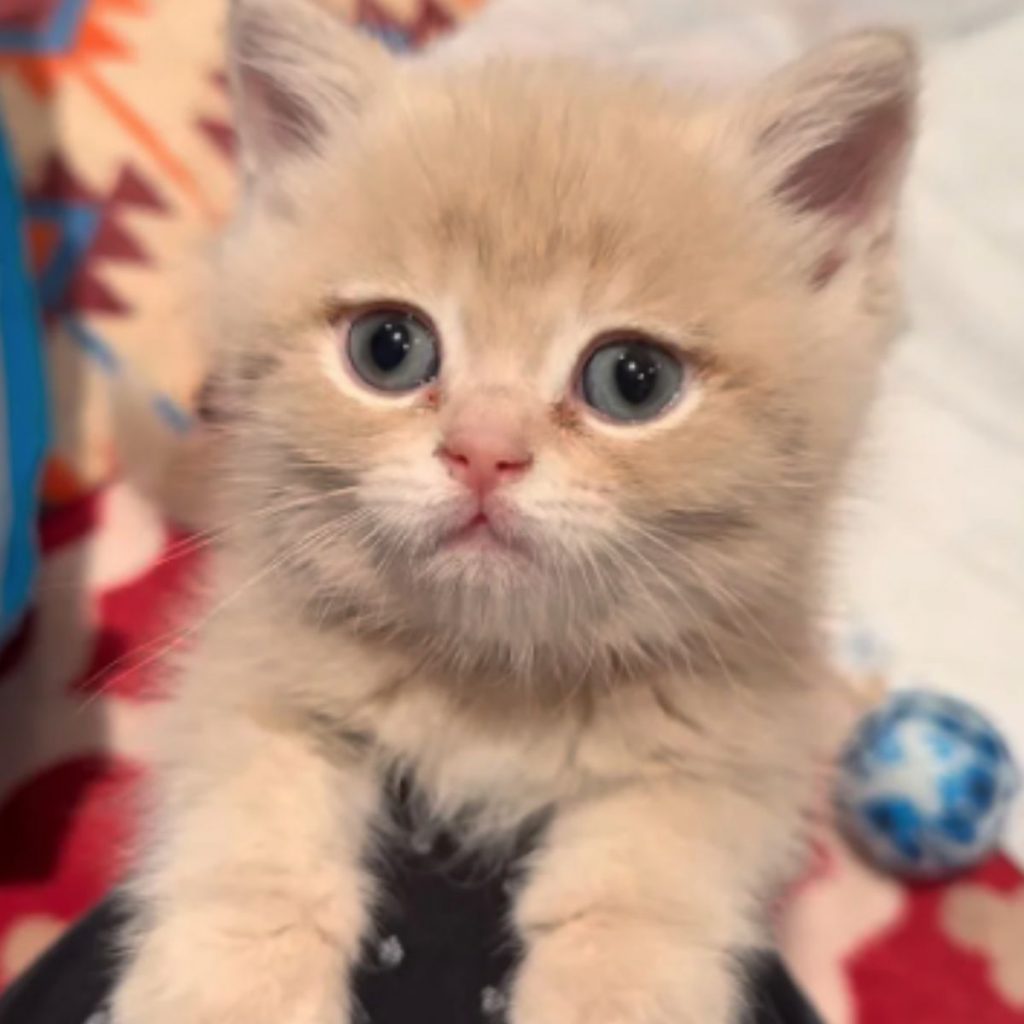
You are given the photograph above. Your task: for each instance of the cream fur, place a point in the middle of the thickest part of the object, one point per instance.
(651, 680)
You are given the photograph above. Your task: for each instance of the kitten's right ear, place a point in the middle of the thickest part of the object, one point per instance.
(828, 138)
(297, 73)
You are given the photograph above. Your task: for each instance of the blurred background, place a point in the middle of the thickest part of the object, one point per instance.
(116, 168)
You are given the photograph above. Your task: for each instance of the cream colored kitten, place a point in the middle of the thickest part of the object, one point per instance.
(543, 381)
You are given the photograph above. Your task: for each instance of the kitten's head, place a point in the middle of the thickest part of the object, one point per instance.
(539, 364)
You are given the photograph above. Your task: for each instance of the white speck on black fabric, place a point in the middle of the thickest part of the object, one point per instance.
(494, 1003)
(390, 953)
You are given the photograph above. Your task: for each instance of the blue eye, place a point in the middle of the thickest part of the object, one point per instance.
(393, 350)
(632, 380)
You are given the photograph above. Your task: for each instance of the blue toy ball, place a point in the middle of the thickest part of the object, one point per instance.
(925, 785)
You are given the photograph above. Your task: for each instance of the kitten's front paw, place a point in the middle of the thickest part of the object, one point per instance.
(181, 976)
(603, 972)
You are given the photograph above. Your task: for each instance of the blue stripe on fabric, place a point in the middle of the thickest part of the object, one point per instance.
(172, 414)
(97, 349)
(77, 225)
(101, 353)
(25, 401)
(393, 38)
(57, 36)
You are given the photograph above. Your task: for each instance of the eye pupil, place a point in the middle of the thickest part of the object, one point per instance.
(390, 344)
(632, 379)
(636, 375)
(392, 350)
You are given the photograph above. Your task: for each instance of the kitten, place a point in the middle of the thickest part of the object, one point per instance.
(543, 380)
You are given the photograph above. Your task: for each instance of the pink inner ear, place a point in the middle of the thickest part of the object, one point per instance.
(274, 117)
(827, 268)
(280, 121)
(843, 177)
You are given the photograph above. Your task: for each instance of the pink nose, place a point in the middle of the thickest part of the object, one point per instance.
(484, 460)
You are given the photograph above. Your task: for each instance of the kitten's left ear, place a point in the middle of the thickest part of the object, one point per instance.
(830, 135)
(298, 74)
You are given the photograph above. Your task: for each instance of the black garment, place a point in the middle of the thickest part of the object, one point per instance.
(442, 955)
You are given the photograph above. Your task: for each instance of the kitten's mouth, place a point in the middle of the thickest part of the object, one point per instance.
(476, 530)
(478, 524)
(485, 533)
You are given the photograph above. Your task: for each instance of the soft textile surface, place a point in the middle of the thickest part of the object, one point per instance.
(118, 122)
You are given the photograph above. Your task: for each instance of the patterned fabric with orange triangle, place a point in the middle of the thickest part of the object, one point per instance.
(118, 120)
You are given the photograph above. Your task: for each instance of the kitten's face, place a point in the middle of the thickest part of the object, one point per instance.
(538, 371)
